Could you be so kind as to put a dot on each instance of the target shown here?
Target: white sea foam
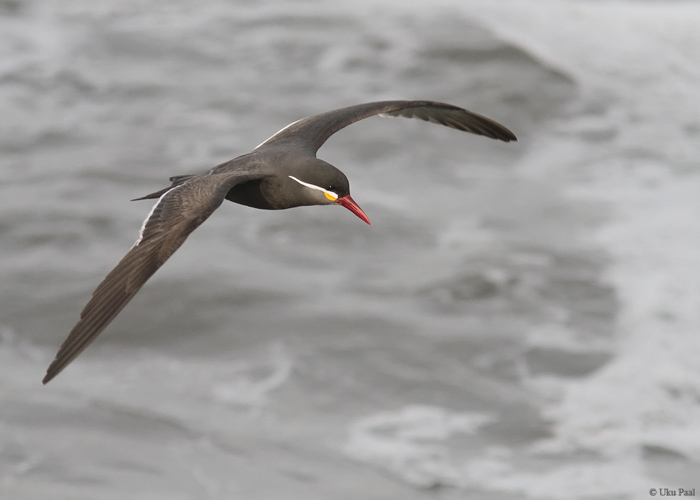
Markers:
(414, 443)
(645, 57)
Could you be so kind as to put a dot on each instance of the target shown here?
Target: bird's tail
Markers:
(176, 181)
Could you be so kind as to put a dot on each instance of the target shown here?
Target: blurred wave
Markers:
(519, 321)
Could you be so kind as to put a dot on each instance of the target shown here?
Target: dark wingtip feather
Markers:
(454, 117)
(505, 135)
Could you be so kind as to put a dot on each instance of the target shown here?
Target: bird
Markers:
(280, 173)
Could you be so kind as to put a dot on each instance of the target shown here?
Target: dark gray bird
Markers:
(282, 172)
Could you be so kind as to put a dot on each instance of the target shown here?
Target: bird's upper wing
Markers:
(310, 133)
(178, 212)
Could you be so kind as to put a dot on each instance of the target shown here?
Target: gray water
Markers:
(520, 321)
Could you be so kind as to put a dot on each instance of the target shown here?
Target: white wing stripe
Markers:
(150, 214)
(277, 133)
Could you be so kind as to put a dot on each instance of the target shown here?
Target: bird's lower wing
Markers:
(312, 132)
(177, 213)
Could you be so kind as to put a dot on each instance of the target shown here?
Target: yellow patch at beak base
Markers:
(330, 196)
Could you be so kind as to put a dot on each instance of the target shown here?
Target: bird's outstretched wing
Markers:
(310, 133)
(178, 212)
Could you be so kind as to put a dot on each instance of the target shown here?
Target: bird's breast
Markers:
(251, 194)
(265, 194)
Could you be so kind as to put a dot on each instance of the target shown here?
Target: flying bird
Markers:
(282, 172)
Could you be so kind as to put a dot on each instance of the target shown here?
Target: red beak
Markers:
(350, 204)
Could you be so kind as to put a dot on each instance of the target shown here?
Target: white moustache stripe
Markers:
(318, 188)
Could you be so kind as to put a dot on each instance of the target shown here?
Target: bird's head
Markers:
(323, 184)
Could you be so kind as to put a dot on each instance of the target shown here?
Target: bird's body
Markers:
(282, 172)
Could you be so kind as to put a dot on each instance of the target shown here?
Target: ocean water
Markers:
(521, 321)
